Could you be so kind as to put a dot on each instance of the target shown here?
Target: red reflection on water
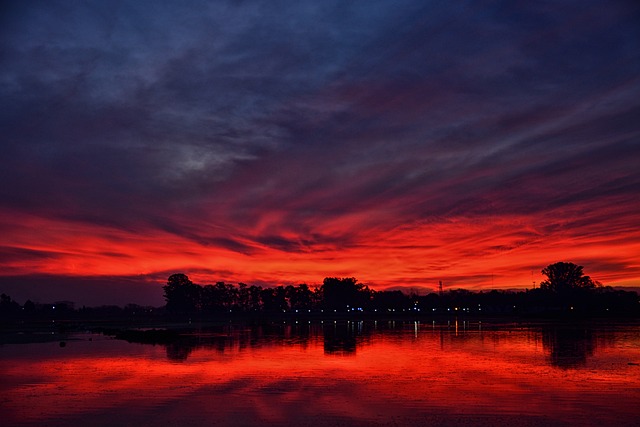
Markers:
(416, 374)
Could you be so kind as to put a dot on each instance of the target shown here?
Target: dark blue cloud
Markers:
(139, 113)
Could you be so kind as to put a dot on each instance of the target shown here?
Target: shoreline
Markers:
(166, 331)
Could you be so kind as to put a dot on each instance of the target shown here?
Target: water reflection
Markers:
(342, 373)
(566, 346)
(340, 338)
(179, 351)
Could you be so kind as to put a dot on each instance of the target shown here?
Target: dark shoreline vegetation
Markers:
(566, 295)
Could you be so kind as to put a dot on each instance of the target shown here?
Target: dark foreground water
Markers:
(338, 374)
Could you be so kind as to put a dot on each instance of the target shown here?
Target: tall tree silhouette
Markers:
(182, 295)
(299, 297)
(337, 294)
(564, 277)
(568, 287)
(220, 297)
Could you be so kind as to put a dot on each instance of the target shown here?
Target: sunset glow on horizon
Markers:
(402, 144)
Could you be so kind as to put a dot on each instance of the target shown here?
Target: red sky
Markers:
(403, 145)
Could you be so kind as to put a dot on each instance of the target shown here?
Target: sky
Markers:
(400, 142)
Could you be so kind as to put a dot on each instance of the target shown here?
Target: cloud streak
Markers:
(404, 143)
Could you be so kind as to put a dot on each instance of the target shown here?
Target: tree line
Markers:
(184, 296)
(11, 309)
(566, 289)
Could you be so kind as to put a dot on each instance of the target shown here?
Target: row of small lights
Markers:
(389, 309)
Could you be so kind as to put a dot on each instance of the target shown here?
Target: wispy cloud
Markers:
(400, 142)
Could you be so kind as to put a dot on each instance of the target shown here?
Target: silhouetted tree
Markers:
(299, 297)
(181, 294)
(564, 277)
(337, 294)
(430, 301)
(211, 299)
(612, 301)
(8, 307)
(243, 298)
(279, 298)
(273, 299)
(29, 307)
(255, 299)
(391, 300)
(220, 297)
(568, 287)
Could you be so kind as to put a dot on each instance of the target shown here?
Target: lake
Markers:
(358, 373)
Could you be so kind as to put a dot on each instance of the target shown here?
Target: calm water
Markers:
(343, 373)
